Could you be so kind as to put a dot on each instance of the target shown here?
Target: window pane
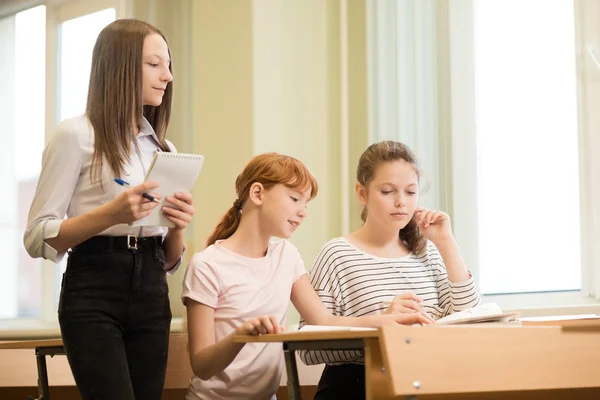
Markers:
(77, 39)
(526, 116)
(22, 44)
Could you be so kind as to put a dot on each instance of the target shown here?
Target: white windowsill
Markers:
(545, 304)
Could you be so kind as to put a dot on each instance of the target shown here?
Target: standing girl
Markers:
(242, 284)
(403, 260)
(114, 308)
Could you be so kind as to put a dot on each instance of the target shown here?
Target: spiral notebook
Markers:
(174, 172)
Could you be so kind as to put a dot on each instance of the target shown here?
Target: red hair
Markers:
(268, 169)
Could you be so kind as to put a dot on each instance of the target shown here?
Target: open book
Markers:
(327, 328)
(487, 312)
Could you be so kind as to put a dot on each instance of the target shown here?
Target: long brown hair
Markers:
(268, 169)
(377, 154)
(115, 94)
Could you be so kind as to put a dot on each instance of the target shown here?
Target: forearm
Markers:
(173, 247)
(78, 229)
(455, 266)
(213, 359)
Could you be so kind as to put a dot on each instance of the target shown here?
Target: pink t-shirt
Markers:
(241, 288)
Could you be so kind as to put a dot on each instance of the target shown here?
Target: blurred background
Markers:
(496, 97)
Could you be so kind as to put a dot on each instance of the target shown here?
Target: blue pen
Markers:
(144, 195)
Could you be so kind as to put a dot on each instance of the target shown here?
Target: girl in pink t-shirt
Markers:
(242, 282)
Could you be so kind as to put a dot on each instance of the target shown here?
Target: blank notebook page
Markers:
(174, 172)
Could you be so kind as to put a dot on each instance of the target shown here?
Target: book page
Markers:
(326, 328)
(480, 313)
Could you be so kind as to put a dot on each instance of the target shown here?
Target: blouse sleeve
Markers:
(61, 168)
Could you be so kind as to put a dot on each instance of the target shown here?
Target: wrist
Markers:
(445, 242)
(175, 232)
(106, 213)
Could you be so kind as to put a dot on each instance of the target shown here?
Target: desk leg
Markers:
(293, 384)
(43, 389)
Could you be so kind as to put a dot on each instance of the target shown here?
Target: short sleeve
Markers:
(201, 282)
(299, 268)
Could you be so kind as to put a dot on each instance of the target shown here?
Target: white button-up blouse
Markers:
(65, 187)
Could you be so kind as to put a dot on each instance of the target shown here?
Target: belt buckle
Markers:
(132, 242)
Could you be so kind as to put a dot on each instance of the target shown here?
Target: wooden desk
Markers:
(178, 365)
(455, 361)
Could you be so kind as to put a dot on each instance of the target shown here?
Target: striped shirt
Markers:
(353, 283)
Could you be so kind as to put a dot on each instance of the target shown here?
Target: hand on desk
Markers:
(377, 321)
(260, 325)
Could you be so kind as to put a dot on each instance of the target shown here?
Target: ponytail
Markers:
(227, 227)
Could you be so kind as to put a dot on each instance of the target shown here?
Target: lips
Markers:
(295, 224)
(399, 214)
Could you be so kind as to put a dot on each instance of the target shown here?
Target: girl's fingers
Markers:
(177, 213)
(410, 305)
(256, 327)
(424, 319)
(276, 327)
(427, 317)
(409, 296)
(431, 217)
(266, 325)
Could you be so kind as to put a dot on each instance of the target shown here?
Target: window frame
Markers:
(457, 186)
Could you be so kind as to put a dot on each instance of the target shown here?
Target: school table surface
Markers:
(549, 360)
(484, 361)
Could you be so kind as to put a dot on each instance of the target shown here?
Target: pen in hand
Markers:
(144, 195)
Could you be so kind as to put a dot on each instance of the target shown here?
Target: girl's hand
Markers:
(434, 225)
(181, 211)
(377, 321)
(259, 326)
(405, 303)
(130, 206)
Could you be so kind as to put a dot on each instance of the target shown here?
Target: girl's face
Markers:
(155, 69)
(392, 195)
(284, 209)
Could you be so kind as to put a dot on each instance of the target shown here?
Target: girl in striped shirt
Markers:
(404, 259)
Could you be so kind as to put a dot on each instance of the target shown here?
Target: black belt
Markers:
(116, 243)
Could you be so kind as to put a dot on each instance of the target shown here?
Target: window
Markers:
(23, 53)
(527, 146)
(76, 42)
(488, 94)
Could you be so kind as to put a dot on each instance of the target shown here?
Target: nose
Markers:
(400, 201)
(167, 76)
(302, 213)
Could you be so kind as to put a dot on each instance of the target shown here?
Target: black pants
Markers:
(115, 318)
(346, 381)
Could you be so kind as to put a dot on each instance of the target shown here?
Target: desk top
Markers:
(299, 336)
(30, 344)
